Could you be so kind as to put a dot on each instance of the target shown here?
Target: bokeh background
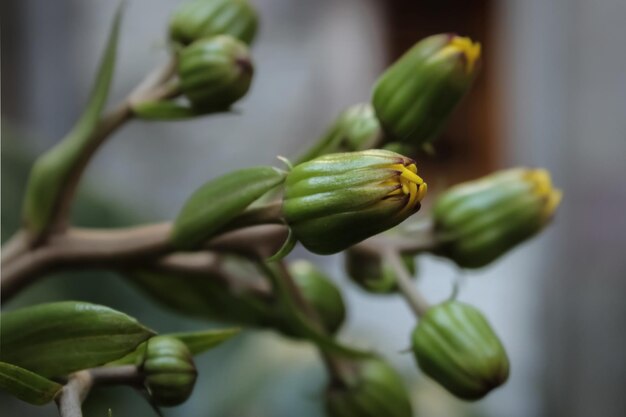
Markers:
(552, 93)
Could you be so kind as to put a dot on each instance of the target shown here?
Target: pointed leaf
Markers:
(49, 175)
(197, 342)
(27, 385)
(220, 201)
(58, 338)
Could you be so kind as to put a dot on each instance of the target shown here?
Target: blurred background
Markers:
(552, 93)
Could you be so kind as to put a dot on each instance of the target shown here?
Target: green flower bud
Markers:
(478, 221)
(373, 389)
(321, 293)
(206, 18)
(170, 373)
(373, 274)
(337, 200)
(214, 73)
(416, 95)
(356, 129)
(454, 344)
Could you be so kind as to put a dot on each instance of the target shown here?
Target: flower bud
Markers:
(356, 129)
(214, 73)
(170, 373)
(337, 200)
(206, 18)
(416, 95)
(373, 389)
(321, 293)
(478, 221)
(373, 274)
(454, 345)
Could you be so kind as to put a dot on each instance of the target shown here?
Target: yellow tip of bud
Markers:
(464, 45)
(543, 188)
(411, 184)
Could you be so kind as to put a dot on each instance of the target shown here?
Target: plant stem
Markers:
(413, 297)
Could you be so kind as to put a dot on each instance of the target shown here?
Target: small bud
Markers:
(214, 73)
(206, 18)
(356, 129)
(479, 221)
(454, 345)
(416, 95)
(170, 373)
(337, 200)
(321, 293)
(374, 274)
(372, 389)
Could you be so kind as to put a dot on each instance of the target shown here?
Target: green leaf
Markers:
(197, 342)
(55, 339)
(219, 201)
(27, 385)
(48, 178)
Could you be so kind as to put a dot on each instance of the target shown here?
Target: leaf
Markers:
(219, 201)
(27, 385)
(55, 339)
(197, 342)
(48, 178)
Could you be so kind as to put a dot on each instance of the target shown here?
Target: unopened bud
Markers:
(416, 95)
(214, 73)
(206, 18)
(455, 345)
(337, 200)
(373, 274)
(479, 221)
(170, 373)
(374, 389)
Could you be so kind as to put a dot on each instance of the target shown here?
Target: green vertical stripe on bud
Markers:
(374, 274)
(337, 200)
(205, 18)
(455, 345)
(214, 73)
(479, 221)
(170, 373)
(369, 388)
(356, 129)
(414, 98)
(321, 293)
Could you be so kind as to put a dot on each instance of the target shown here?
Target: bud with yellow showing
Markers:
(478, 221)
(206, 18)
(455, 345)
(337, 200)
(414, 98)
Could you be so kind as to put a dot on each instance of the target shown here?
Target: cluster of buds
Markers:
(337, 200)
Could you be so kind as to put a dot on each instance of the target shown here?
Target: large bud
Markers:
(373, 274)
(478, 221)
(214, 73)
(416, 95)
(455, 345)
(169, 371)
(321, 293)
(206, 18)
(337, 200)
(370, 389)
(355, 129)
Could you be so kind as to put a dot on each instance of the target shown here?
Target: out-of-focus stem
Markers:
(413, 297)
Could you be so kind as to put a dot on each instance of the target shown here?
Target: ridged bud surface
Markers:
(337, 200)
(455, 345)
(206, 18)
(216, 72)
(479, 221)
